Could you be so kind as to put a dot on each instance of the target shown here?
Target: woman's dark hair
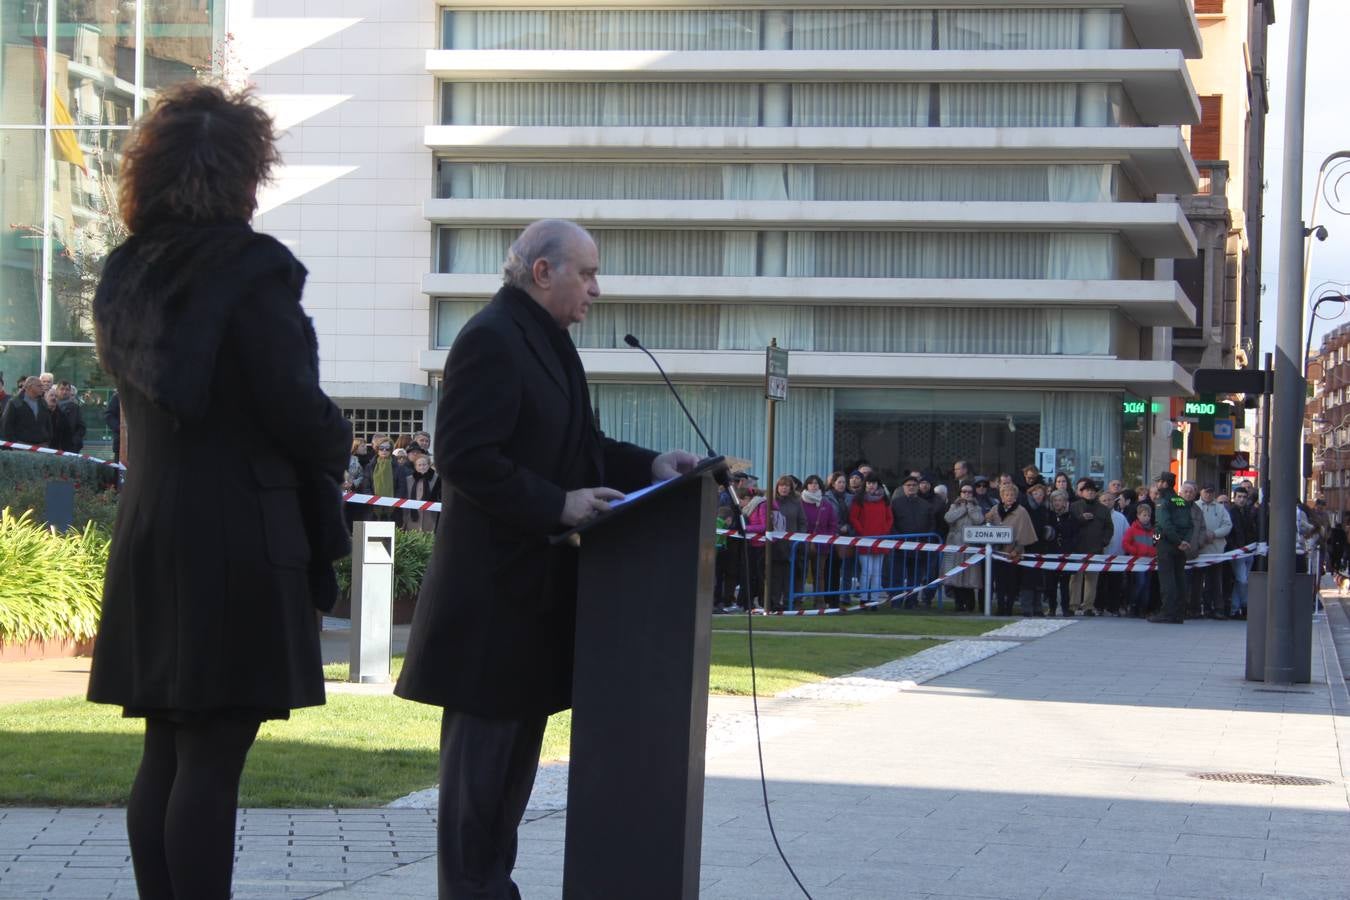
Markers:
(198, 156)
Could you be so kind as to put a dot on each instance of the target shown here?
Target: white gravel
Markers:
(1030, 628)
(900, 674)
(729, 730)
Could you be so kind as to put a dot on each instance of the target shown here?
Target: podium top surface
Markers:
(636, 499)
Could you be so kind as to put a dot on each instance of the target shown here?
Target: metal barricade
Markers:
(819, 574)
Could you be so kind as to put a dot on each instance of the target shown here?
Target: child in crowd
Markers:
(1139, 543)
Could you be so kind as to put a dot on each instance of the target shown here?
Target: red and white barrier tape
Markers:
(1059, 562)
(1084, 562)
(975, 559)
(837, 540)
(394, 502)
(15, 445)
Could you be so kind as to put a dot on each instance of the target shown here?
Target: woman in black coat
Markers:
(208, 623)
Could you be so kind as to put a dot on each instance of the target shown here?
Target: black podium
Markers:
(640, 694)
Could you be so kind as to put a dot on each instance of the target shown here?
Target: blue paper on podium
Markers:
(633, 495)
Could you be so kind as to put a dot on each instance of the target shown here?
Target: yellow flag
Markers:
(64, 140)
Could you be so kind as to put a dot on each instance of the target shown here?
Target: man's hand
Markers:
(673, 463)
(1184, 546)
(584, 504)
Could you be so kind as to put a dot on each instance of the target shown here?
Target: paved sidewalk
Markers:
(1062, 768)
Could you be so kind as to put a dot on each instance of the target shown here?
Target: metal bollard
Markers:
(372, 601)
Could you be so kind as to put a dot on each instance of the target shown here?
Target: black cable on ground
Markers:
(747, 577)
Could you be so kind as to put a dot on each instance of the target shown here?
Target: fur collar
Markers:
(165, 302)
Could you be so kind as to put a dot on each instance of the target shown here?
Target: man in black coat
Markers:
(913, 514)
(520, 459)
(26, 418)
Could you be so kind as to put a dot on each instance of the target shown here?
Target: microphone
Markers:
(636, 344)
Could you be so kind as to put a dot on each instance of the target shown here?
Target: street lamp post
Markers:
(1285, 456)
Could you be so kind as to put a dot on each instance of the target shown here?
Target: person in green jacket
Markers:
(1172, 531)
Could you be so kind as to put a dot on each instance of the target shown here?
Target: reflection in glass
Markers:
(85, 225)
(16, 362)
(179, 42)
(23, 33)
(20, 234)
(95, 63)
(93, 386)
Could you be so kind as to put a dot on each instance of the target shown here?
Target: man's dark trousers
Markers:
(487, 773)
(1172, 580)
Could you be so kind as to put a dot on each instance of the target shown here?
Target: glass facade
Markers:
(798, 29)
(803, 104)
(819, 254)
(1032, 182)
(74, 74)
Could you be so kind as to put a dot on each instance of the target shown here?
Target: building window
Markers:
(1207, 136)
(822, 254)
(393, 421)
(1076, 183)
(801, 29)
(62, 154)
(829, 329)
(807, 105)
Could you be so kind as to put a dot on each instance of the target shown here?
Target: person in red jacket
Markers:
(870, 516)
(1139, 542)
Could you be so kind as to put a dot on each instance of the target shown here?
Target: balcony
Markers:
(1154, 230)
(1155, 23)
(1150, 303)
(1155, 81)
(1156, 160)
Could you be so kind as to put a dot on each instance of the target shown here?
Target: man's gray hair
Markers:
(546, 239)
(1060, 494)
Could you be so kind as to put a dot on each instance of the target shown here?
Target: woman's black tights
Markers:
(180, 817)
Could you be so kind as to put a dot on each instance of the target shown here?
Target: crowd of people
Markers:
(393, 466)
(43, 412)
(1059, 516)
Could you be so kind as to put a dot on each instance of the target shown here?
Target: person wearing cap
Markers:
(1095, 530)
(1173, 527)
(914, 515)
(1218, 524)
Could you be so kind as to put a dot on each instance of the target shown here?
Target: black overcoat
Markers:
(207, 601)
(20, 423)
(495, 620)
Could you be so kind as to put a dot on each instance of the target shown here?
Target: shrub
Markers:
(412, 554)
(24, 477)
(51, 585)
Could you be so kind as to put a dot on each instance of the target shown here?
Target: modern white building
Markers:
(958, 217)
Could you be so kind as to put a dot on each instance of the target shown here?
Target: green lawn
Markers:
(888, 621)
(355, 751)
(358, 750)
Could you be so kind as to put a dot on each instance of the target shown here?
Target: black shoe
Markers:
(1160, 619)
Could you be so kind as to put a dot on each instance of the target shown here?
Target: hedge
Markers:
(24, 477)
(412, 554)
(51, 585)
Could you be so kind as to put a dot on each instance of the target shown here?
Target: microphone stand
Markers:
(723, 478)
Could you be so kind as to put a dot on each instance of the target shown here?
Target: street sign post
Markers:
(775, 392)
(775, 373)
(988, 534)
